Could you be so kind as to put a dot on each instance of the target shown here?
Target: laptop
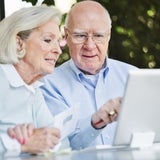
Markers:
(138, 120)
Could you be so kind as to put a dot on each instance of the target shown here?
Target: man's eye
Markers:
(47, 40)
(99, 35)
(80, 36)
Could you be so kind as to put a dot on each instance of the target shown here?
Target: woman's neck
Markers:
(28, 75)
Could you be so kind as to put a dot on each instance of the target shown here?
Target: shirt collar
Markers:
(80, 74)
(15, 79)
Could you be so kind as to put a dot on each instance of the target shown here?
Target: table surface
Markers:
(100, 153)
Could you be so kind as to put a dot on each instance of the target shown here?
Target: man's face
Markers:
(88, 36)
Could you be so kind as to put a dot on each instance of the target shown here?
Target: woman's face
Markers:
(42, 49)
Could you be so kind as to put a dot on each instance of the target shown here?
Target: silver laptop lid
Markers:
(140, 109)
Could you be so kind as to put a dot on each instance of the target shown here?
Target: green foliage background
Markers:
(135, 31)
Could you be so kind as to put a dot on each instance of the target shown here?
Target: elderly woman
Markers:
(29, 49)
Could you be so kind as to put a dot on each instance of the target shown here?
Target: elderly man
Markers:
(89, 79)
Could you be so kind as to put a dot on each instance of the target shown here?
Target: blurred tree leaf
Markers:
(135, 32)
(48, 2)
(32, 1)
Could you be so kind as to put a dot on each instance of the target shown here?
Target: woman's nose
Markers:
(57, 47)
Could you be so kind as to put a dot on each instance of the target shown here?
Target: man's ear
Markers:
(65, 33)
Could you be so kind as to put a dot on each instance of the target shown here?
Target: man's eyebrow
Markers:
(79, 31)
(83, 31)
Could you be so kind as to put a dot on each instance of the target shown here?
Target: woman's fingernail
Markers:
(24, 141)
(20, 140)
(13, 136)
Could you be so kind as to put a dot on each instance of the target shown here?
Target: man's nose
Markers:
(90, 43)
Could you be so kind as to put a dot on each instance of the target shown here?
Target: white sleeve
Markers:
(11, 146)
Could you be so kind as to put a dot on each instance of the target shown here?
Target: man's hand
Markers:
(106, 114)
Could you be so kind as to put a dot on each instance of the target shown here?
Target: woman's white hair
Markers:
(21, 23)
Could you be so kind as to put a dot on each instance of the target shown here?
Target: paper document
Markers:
(66, 121)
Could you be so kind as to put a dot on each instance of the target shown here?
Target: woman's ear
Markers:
(20, 43)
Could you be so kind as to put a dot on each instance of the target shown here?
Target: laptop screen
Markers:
(140, 109)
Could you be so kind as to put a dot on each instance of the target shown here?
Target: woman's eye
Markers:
(47, 40)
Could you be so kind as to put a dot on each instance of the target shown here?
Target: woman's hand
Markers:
(21, 132)
(35, 140)
(41, 140)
